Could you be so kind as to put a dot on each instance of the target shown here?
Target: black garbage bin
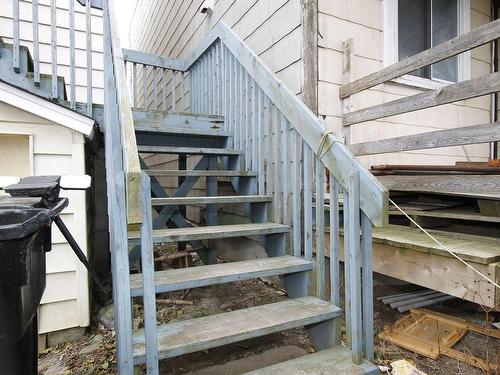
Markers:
(24, 240)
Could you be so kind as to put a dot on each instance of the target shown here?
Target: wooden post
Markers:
(347, 76)
(88, 31)
(310, 53)
(53, 42)
(15, 37)
(36, 45)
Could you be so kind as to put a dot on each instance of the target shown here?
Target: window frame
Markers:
(391, 50)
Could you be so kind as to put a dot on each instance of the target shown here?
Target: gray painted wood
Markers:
(353, 231)
(320, 231)
(296, 196)
(36, 45)
(347, 271)
(260, 141)
(134, 84)
(474, 186)
(310, 53)
(285, 157)
(347, 76)
(144, 88)
(148, 280)
(173, 83)
(472, 88)
(88, 46)
(339, 161)
(155, 88)
(200, 276)
(335, 252)
(367, 287)
(152, 60)
(336, 360)
(187, 150)
(229, 199)
(201, 173)
(15, 37)
(468, 135)
(308, 181)
(164, 90)
(479, 36)
(72, 57)
(211, 232)
(277, 143)
(192, 335)
(53, 49)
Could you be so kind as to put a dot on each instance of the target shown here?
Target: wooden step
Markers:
(187, 150)
(193, 335)
(197, 173)
(210, 232)
(334, 361)
(194, 277)
(474, 186)
(230, 199)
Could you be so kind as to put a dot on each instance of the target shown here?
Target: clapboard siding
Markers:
(63, 53)
(343, 19)
(57, 150)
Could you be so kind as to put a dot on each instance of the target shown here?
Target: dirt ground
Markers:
(95, 353)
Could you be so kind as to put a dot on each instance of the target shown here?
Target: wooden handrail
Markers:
(139, 57)
(131, 163)
(475, 38)
(472, 88)
(337, 158)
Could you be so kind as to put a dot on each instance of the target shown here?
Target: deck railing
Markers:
(472, 88)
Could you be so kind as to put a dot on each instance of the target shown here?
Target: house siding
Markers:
(63, 53)
(341, 20)
(57, 150)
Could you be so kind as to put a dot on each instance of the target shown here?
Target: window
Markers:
(412, 26)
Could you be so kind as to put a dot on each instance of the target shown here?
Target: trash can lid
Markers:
(36, 186)
(21, 222)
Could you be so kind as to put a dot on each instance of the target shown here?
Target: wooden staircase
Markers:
(301, 310)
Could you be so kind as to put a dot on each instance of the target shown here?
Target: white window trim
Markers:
(390, 45)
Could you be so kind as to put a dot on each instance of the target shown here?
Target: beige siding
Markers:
(26, 36)
(56, 150)
(343, 19)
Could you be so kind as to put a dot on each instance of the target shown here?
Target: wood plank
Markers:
(336, 360)
(199, 173)
(230, 199)
(339, 161)
(468, 135)
(194, 277)
(187, 150)
(152, 60)
(477, 37)
(192, 335)
(472, 248)
(449, 214)
(475, 186)
(210, 232)
(472, 88)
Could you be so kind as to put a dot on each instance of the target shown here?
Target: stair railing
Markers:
(22, 37)
(290, 148)
(472, 88)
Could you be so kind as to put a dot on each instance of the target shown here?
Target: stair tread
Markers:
(210, 232)
(216, 330)
(187, 150)
(207, 200)
(193, 277)
(198, 173)
(335, 360)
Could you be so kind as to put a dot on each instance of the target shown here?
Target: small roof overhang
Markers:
(47, 109)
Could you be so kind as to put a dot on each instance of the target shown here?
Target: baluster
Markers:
(347, 269)
(232, 94)
(148, 282)
(308, 178)
(253, 140)
(241, 90)
(134, 83)
(367, 286)
(352, 231)
(155, 88)
(244, 119)
(227, 90)
(248, 122)
(285, 156)
(182, 94)
(88, 19)
(53, 41)
(205, 83)
(15, 37)
(174, 85)
(320, 224)
(335, 250)
(297, 207)
(36, 45)
(72, 69)
(164, 89)
(260, 141)
(278, 199)
(269, 152)
(215, 65)
(144, 88)
(222, 65)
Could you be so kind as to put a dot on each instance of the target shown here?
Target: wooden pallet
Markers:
(433, 334)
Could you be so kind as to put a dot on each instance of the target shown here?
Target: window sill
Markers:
(419, 82)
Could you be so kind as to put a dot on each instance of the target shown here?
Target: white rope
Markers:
(325, 143)
(444, 247)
